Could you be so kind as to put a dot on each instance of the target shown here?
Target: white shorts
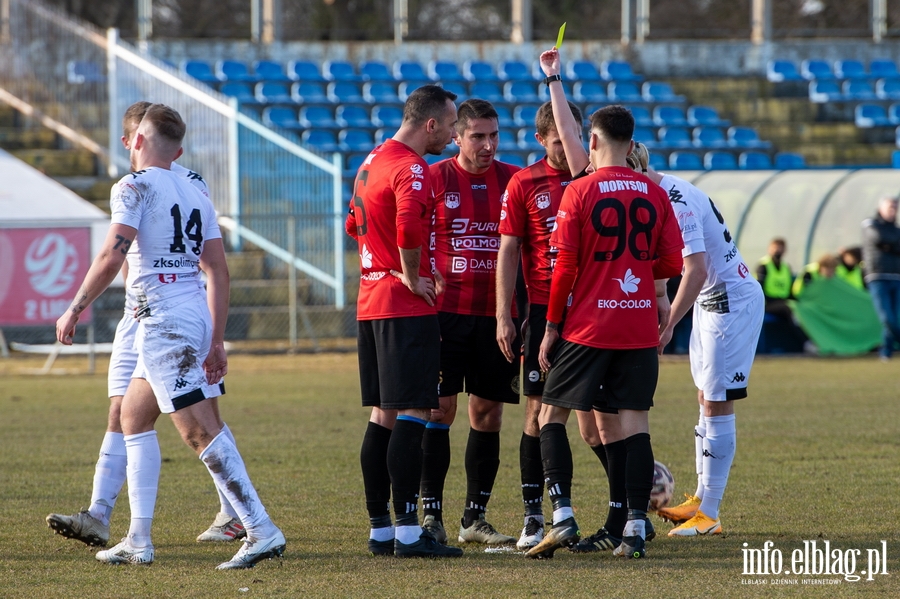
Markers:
(124, 357)
(723, 347)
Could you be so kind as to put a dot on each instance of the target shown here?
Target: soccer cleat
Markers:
(532, 534)
(426, 546)
(632, 547)
(601, 540)
(124, 553)
(564, 534)
(252, 552)
(81, 526)
(680, 513)
(378, 548)
(436, 528)
(483, 532)
(223, 528)
(701, 524)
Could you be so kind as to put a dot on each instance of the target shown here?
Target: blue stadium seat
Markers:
(384, 134)
(897, 136)
(789, 160)
(486, 90)
(375, 70)
(514, 70)
(816, 70)
(888, 89)
(271, 92)
(893, 113)
(669, 116)
(624, 91)
(344, 92)
(200, 70)
(241, 91)
(754, 161)
(745, 137)
(304, 92)
(674, 137)
(518, 92)
(479, 70)
(526, 140)
(782, 70)
(355, 140)
(870, 115)
(507, 141)
(234, 70)
(380, 92)
(718, 160)
(589, 91)
(387, 116)
(535, 157)
(858, 90)
(685, 161)
(822, 92)
(895, 159)
(353, 116)
(340, 70)
(444, 70)
(850, 69)
(323, 140)
(511, 158)
(269, 70)
(523, 116)
(618, 70)
(582, 70)
(657, 91)
(305, 70)
(658, 161)
(281, 116)
(79, 72)
(352, 162)
(504, 116)
(705, 115)
(317, 117)
(409, 70)
(706, 136)
(641, 116)
(645, 135)
(883, 68)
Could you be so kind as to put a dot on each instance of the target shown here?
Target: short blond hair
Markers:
(639, 157)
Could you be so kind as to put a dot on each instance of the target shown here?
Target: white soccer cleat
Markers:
(81, 526)
(224, 528)
(255, 551)
(532, 534)
(124, 553)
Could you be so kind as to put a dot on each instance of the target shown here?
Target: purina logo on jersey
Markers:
(542, 200)
(451, 200)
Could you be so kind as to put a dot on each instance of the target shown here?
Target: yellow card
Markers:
(559, 38)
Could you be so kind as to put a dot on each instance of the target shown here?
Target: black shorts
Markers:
(532, 376)
(628, 377)
(470, 354)
(399, 361)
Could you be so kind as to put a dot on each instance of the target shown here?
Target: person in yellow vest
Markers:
(850, 267)
(825, 268)
(774, 274)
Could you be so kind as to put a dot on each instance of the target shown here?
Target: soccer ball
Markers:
(663, 487)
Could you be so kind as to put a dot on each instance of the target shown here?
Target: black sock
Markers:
(435, 464)
(617, 515)
(639, 471)
(404, 462)
(482, 463)
(600, 451)
(556, 456)
(532, 475)
(377, 481)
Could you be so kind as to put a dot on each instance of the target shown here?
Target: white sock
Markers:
(144, 461)
(385, 533)
(720, 445)
(561, 514)
(699, 434)
(226, 466)
(635, 528)
(408, 534)
(109, 476)
(224, 505)
(538, 517)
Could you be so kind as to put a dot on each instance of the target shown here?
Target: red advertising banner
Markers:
(40, 272)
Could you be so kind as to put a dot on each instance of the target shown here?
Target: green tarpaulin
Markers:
(838, 318)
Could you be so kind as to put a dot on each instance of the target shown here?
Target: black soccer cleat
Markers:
(377, 548)
(426, 546)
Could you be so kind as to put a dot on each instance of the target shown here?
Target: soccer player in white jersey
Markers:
(728, 313)
(91, 526)
(173, 231)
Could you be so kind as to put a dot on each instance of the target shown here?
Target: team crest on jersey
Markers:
(416, 169)
(451, 200)
(542, 200)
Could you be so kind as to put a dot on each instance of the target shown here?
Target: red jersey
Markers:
(530, 205)
(392, 203)
(466, 234)
(615, 222)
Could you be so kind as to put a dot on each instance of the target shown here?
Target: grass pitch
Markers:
(817, 460)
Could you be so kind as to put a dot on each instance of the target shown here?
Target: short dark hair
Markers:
(615, 123)
(544, 122)
(426, 102)
(134, 114)
(166, 121)
(474, 109)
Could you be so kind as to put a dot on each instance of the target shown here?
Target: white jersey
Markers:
(173, 219)
(728, 280)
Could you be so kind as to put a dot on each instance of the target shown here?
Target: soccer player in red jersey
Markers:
(616, 234)
(529, 210)
(399, 337)
(467, 192)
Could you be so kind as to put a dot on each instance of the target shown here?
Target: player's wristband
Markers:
(552, 78)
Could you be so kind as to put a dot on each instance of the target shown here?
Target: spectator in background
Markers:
(881, 254)
(824, 268)
(780, 331)
(850, 267)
